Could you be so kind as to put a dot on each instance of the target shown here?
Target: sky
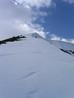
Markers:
(53, 17)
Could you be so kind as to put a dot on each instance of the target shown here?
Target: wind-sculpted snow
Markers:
(27, 76)
(33, 68)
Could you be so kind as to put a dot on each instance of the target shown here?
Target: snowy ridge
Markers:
(63, 46)
(66, 47)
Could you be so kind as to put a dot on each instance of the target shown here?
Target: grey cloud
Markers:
(10, 14)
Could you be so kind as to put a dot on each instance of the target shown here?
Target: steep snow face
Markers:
(33, 68)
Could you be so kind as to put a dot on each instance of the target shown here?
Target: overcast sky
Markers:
(55, 17)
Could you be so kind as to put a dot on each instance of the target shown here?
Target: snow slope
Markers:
(33, 68)
(65, 47)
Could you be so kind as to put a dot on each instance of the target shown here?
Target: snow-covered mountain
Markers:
(32, 67)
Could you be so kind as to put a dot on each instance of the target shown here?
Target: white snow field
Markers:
(34, 68)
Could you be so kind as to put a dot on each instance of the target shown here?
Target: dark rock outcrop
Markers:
(12, 39)
(71, 52)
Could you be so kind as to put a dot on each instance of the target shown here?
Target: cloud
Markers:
(34, 3)
(20, 16)
(31, 28)
(69, 1)
(55, 37)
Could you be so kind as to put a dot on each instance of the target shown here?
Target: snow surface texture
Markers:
(33, 68)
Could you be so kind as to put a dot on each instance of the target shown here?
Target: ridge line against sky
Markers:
(28, 16)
